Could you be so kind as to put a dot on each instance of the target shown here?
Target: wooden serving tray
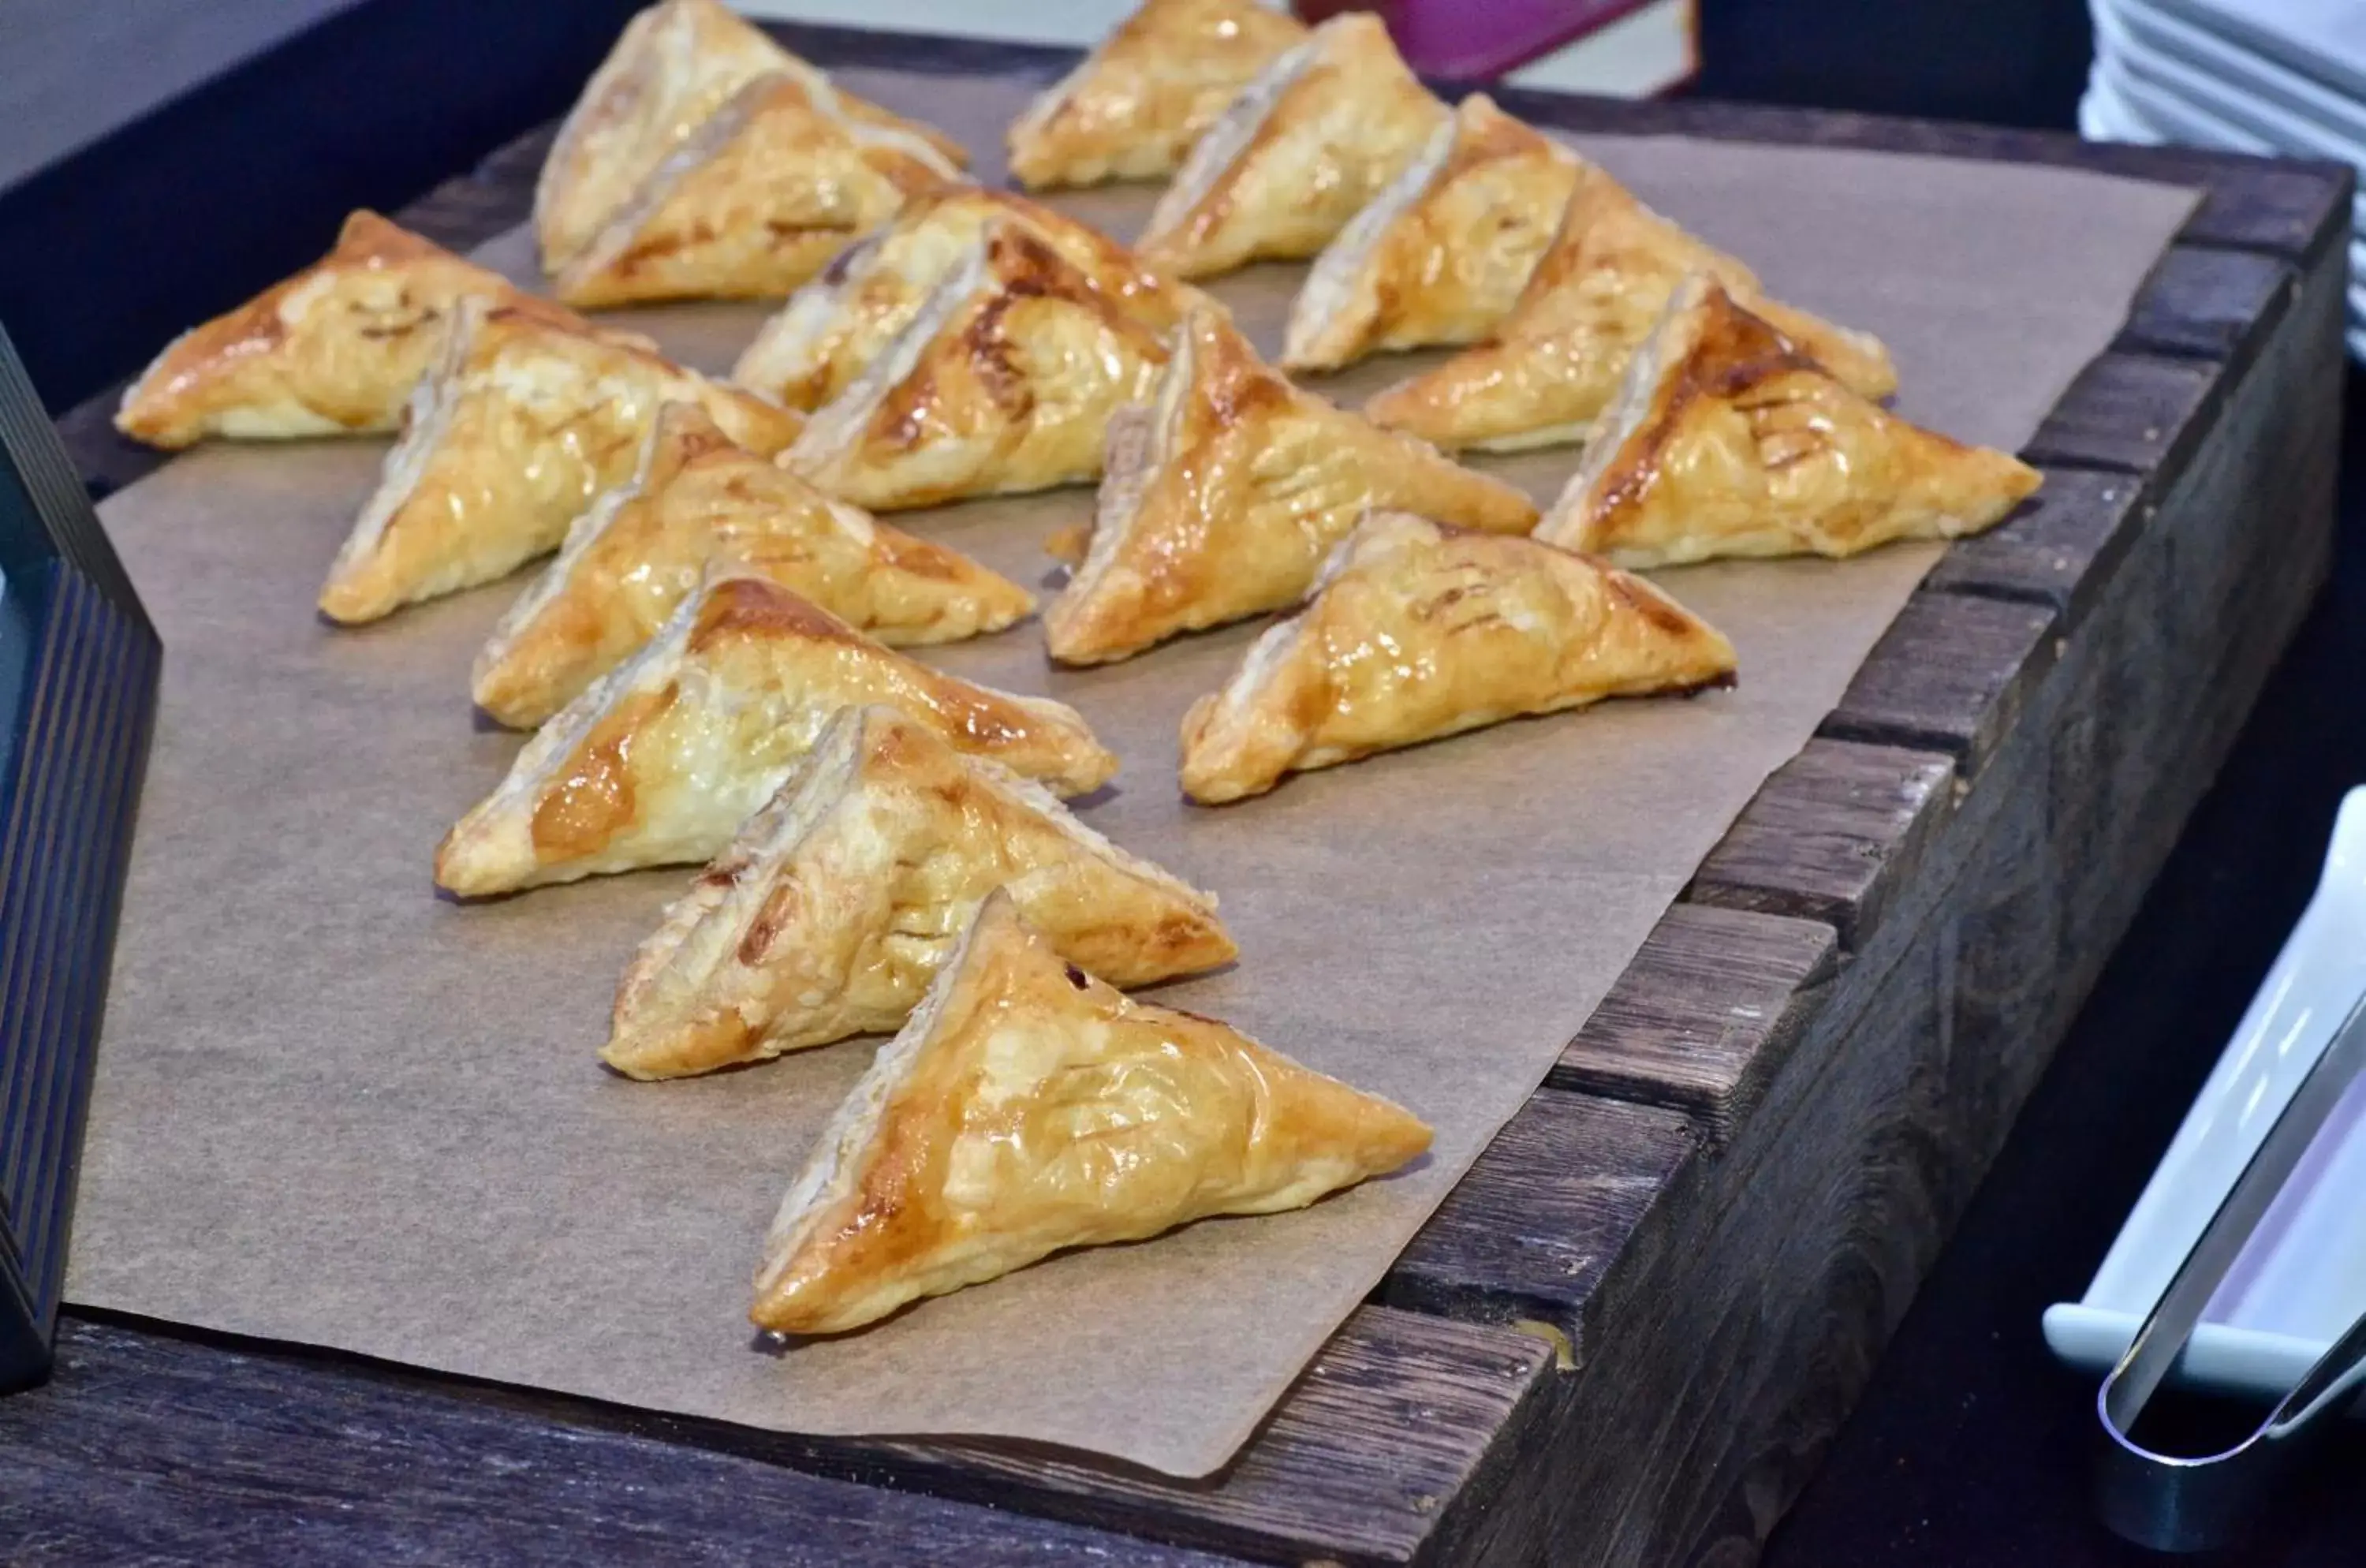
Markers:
(1630, 1332)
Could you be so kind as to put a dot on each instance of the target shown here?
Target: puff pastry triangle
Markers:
(1417, 631)
(1132, 109)
(836, 905)
(334, 350)
(1441, 254)
(674, 65)
(505, 442)
(1295, 155)
(661, 760)
(833, 328)
(1003, 381)
(1552, 366)
(755, 201)
(700, 497)
(1726, 440)
(1225, 491)
(1028, 1106)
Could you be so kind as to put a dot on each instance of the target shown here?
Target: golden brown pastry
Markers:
(754, 202)
(1028, 1106)
(1416, 631)
(1226, 490)
(520, 425)
(1552, 366)
(836, 905)
(1295, 156)
(334, 350)
(1003, 381)
(835, 326)
(1132, 109)
(675, 64)
(661, 760)
(1726, 440)
(1441, 254)
(699, 497)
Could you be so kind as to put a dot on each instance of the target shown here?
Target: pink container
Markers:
(1477, 40)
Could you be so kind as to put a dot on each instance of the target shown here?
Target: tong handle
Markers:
(2174, 1503)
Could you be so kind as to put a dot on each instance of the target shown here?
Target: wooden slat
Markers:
(155, 1449)
(2210, 303)
(1535, 1230)
(1391, 1450)
(1951, 675)
(1830, 836)
(1710, 1007)
(2136, 414)
(2057, 550)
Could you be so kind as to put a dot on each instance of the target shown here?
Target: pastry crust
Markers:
(841, 897)
(1003, 381)
(755, 201)
(334, 350)
(1726, 440)
(1441, 254)
(1553, 364)
(698, 497)
(1027, 1107)
(505, 444)
(1292, 158)
(1417, 631)
(833, 328)
(674, 65)
(1225, 491)
(1132, 109)
(660, 761)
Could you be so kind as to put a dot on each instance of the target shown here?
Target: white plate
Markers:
(2301, 1280)
(2237, 69)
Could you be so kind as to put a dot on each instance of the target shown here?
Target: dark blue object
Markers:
(78, 670)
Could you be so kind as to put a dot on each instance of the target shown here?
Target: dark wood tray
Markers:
(1630, 1333)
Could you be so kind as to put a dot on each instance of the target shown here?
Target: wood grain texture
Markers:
(1951, 674)
(2136, 414)
(1538, 1229)
(2210, 303)
(1832, 836)
(2059, 551)
(152, 1448)
(1707, 1011)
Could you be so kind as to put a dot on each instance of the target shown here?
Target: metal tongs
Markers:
(2173, 1503)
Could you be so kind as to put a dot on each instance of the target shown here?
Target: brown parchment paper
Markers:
(334, 1109)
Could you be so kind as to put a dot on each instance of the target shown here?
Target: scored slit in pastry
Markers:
(660, 760)
(1003, 381)
(697, 497)
(505, 444)
(1226, 489)
(1294, 157)
(1131, 109)
(1441, 254)
(334, 350)
(830, 330)
(1417, 631)
(834, 908)
(754, 202)
(674, 65)
(1552, 366)
(1028, 1106)
(1726, 440)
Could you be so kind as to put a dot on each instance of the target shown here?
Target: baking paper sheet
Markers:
(335, 1110)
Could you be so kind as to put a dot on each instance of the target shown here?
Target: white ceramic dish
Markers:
(2301, 1280)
